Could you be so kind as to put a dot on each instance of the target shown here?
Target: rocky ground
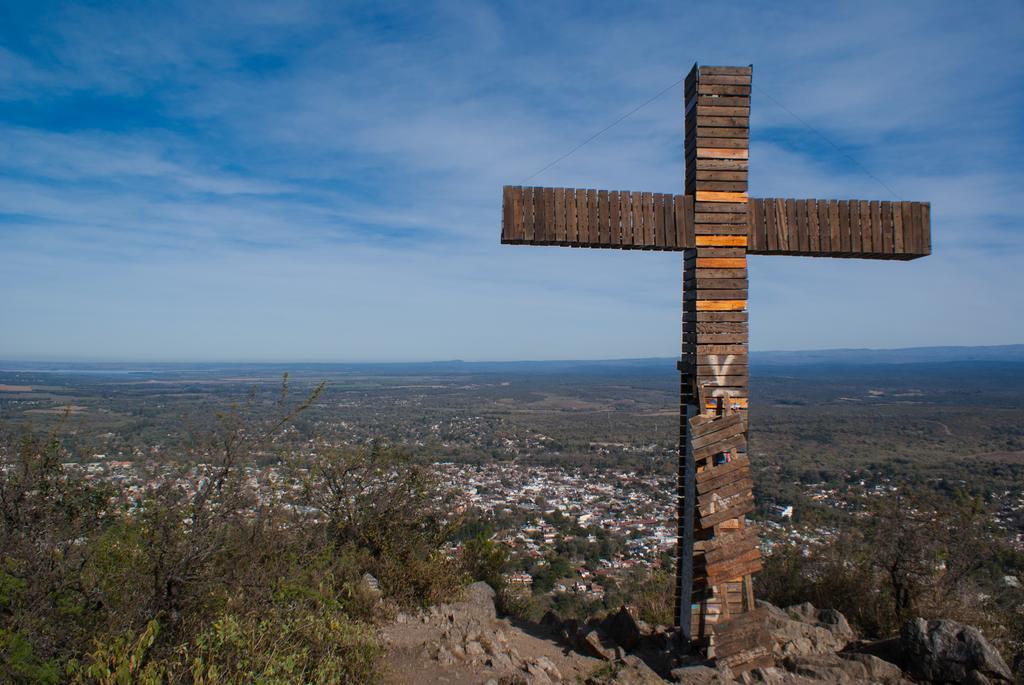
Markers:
(466, 643)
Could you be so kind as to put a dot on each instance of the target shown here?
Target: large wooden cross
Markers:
(715, 225)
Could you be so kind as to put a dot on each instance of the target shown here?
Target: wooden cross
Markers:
(715, 225)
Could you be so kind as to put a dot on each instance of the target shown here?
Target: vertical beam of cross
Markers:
(714, 364)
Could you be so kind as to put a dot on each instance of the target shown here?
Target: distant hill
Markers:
(851, 357)
(903, 355)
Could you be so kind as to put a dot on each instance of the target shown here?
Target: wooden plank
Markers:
(572, 217)
(626, 219)
(636, 231)
(722, 80)
(721, 122)
(548, 199)
(700, 431)
(559, 199)
(803, 227)
(731, 476)
(918, 218)
(782, 225)
(593, 228)
(721, 305)
(727, 490)
(604, 232)
(717, 164)
(721, 240)
(614, 229)
(844, 226)
(710, 111)
(926, 227)
(867, 232)
(876, 227)
(791, 226)
(726, 89)
(722, 153)
(729, 570)
(529, 219)
(658, 200)
(727, 284)
(755, 219)
(506, 214)
(887, 237)
(742, 133)
(814, 241)
(736, 218)
(722, 208)
(705, 72)
(742, 505)
(668, 209)
(835, 240)
(722, 251)
(856, 228)
(908, 227)
(689, 226)
(721, 262)
(899, 246)
(771, 232)
(728, 545)
(721, 470)
(703, 275)
(824, 228)
(707, 176)
(735, 441)
(712, 196)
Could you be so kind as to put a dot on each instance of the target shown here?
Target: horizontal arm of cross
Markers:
(629, 220)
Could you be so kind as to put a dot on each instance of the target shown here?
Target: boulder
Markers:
(622, 628)
(698, 675)
(593, 643)
(802, 629)
(480, 597)
(631, 671)
(943, 651)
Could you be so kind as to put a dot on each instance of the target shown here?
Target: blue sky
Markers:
(310, 181)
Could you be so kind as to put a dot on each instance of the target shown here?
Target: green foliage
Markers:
(208, 584)
(288, 644)
(20, 664)
(907, 556)
(123, 660)
(484, 559)
(652, 594)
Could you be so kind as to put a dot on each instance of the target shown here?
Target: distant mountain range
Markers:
(902, 355)
(843, 357)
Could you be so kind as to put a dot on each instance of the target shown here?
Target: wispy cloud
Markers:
(321, 181)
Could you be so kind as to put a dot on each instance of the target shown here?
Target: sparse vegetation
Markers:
(209, 585)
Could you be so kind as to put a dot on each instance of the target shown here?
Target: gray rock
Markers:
(697, 675)
(622, 628)
(445, 657)
(538, 676)
(802, 629)
(549, 667)
(480, 597)
(371, 584)
(942, 651)
(876, 669)
(474, 649)
(633, 672)
(500, 662)
(593, 643)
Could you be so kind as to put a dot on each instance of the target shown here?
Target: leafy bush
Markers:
(203, 582)
(289, 644)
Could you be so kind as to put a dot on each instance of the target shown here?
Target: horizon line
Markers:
(73, 360)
